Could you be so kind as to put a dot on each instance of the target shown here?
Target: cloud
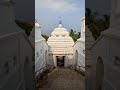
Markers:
(57, 5)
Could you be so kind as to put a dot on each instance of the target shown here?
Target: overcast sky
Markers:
(47, 13)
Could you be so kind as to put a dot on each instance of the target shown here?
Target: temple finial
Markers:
(60, 23)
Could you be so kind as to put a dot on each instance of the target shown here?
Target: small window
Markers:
(63, 35)
(57, 35)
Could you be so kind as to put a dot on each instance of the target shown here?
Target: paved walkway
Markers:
(64, 79)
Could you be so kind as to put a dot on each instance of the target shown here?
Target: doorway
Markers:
(60, 61)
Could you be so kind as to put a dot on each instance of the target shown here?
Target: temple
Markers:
(60, 47)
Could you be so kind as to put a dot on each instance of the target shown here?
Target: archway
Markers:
(27, 73)
(99, 73)
(76, 57)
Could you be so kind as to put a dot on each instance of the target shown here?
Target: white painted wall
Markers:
(107, 47)
(79, 48)
(41, 49)
(14, 48)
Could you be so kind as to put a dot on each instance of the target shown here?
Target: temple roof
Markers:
(38, 36)
(60, 42)
(60, 31)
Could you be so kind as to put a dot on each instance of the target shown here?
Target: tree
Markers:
(46, 37)
(96, 23)
(27, 26)
(74, 35)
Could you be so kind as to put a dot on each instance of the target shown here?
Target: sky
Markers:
(47, 13)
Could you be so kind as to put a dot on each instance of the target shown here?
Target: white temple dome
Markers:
(60, 32)
(60, 41)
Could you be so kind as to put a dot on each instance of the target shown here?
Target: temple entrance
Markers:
(60, 61)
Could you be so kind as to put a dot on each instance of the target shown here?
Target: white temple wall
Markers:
(70, 60)
(66, 62)
(16, 56)
(7, 72)
(107, 51)
(55, 60)
(46, 57)
(50, 59)
(41, 54)
(12, 64)
(79, 48)
(105, 71)
(41, 49)
(79, 55)
(27, 61)
(95, 55)
(76, 51)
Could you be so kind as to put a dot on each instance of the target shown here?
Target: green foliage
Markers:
(96, 24)
(46, 37)
(27, 26)
(74, 35)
